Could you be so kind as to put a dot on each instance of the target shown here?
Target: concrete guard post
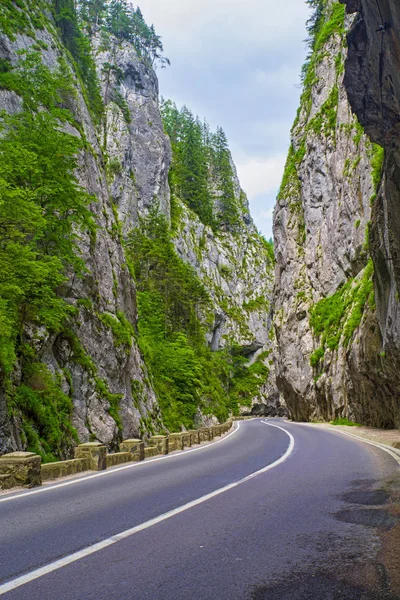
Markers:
(20, 469)
(96, 454)
(216, 430)
(205, 434)
(160, 442)
(135, 447)
(187, 439)
(176, 441)
(194, 436)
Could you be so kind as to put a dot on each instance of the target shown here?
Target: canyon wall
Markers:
(335, 298)
(94, 359)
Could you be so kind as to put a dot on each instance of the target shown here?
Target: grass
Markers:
(344, 421)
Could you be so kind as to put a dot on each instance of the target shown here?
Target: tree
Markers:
(225, 192)
(92, 13)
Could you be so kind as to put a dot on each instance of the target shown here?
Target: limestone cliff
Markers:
(336, 350)
(95, 358)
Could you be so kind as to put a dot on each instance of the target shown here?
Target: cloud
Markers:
(259, 177)
(234, 28)
(237, 64)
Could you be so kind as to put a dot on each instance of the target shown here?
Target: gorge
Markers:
(137, 295)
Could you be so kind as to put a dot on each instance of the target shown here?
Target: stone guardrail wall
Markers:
(25, 469)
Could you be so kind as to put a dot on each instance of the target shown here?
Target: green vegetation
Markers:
(337, 317)
(80, 50)
(317, 356)
(122, 330)
(201, 174)
(46, 411)
(119, 18)
(290, 185)
(186, 375)
(325, 120)
(345, 421)
(377, 156)
(22, 16)
(42, 212)
(326, 21)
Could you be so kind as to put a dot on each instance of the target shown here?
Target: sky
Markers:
(237, 63)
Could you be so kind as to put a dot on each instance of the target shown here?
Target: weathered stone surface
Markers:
(194, 436)
(321, 226)
(205, 434)
(160, 442)
(176, 441)
(151, 451)
(134, 447)
(372, 82)
(118, 458)
(64, 468)
(20, 469)
(216, 429)
(95, 453)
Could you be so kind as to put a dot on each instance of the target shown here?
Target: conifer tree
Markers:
(228, 210)
(194, 182)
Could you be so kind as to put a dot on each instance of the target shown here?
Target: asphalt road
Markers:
(309, 527)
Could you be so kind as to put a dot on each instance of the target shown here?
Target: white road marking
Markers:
(116, 469)
(67, 560)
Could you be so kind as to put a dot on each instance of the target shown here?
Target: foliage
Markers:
(344, 421)
(327, 20)
(377, 156)
(337, 317)
(325, 120)
(22, 16)
(290, 185)
(121, 328)
(201, 174)
(186, 375)
(79, 46)
(119, 18)
(316, 356)
(46, 412)
(42, 211)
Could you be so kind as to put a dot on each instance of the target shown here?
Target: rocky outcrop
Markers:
(97, 373)
(372, 82)
(125, 166)
(333, 354)
(235, 267)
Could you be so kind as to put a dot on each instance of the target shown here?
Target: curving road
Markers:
(273, 510)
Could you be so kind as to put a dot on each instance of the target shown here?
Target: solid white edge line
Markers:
(67, 560)
(111, 471)
(391, 451)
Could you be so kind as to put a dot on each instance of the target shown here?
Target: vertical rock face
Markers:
(331, 360)
(372, 82)
(235, 268)
(238, 274)
(125, 165)
(139, 151)
(97, 372)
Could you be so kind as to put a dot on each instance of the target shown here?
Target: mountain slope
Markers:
(83, 357)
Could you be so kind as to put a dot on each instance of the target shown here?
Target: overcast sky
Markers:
(237, 63)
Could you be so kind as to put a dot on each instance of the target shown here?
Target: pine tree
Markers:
(91, 14)
(194, 171)
(228, 211)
